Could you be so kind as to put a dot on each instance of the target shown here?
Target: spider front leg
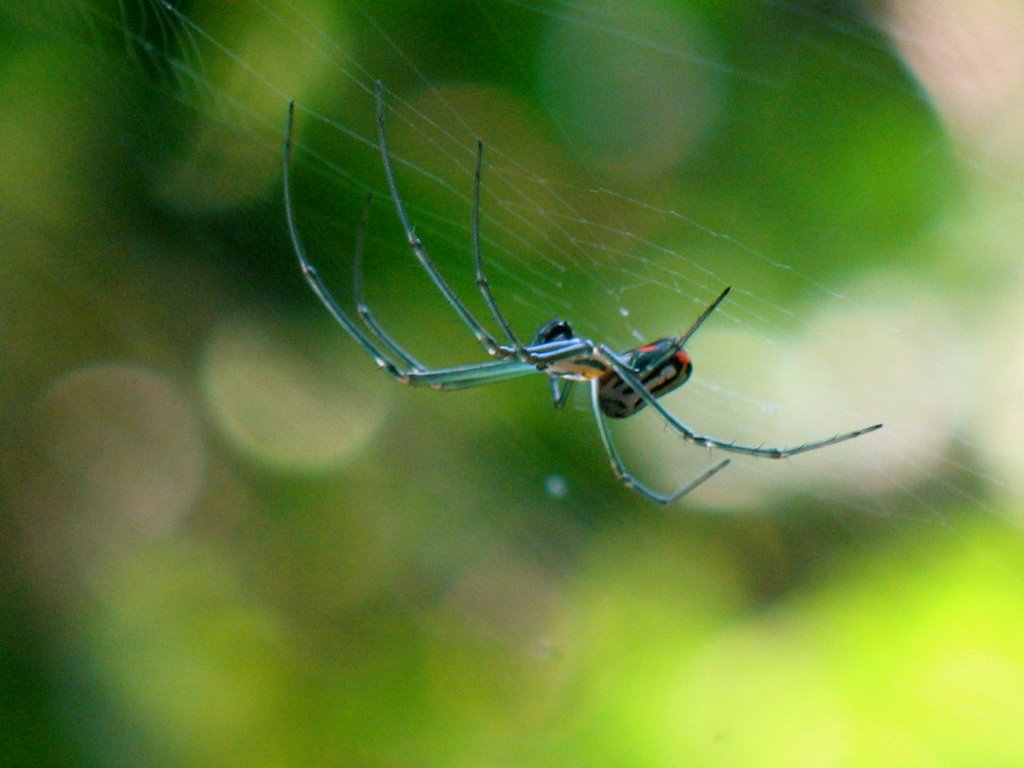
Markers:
(419, 251)
(624, 476)
(373, 339)
(363, 311)
(312, 275)
(482, 283)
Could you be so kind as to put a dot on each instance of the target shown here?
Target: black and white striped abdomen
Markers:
(660, 366)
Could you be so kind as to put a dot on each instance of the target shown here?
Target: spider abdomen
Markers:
(661, 367)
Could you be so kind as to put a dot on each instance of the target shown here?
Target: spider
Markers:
(621, 383)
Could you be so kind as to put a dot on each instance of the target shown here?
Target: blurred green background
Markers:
(226, 539)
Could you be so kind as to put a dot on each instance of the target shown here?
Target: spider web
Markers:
(226, 535)
(847, 168)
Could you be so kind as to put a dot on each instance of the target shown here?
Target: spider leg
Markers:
(628, 479)
(681, 341)
(459, 377)
(489, 343)
(474, 375)
(312, 276)
(362, 310)
(609, 357)
(481, 279)
(560, 391)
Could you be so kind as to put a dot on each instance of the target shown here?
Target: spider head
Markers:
(556, 330)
